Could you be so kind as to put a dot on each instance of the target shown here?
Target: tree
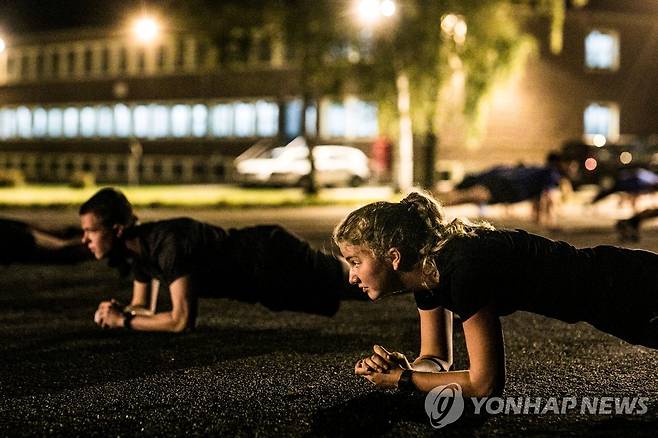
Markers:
(403, 62)
(411, 57)
(315, 37)
(311, 33)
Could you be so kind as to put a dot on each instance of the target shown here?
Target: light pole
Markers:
(371, 12)
(145, 30)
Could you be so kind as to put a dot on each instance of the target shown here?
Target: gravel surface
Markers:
(249, 371)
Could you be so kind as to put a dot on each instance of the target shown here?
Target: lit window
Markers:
(88, 122)
(267, 117)
(222, 120)
(24, 122)
(245, 119)
(602, 50)
(293, 118)
(122, 120)
(105, 121)
(54, 122)
(141, 121)
(160, 120)
(39, 122)
(8, 123)
(364, 115)
(602, 119)
(180, 120)
(71, 121)
(199, 120)
(352, 117)
(311, 120)
(335, 120)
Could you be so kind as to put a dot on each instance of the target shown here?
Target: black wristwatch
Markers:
(405, 384)
(127, 320)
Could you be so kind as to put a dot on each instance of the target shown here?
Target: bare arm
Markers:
(140, 295)
(486, 354)
(181, 316)
(436, 336)
(176, 320)
(486, 373)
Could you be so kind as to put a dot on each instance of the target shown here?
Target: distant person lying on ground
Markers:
(629, 229)
(264, 264)
(633, 183)
(481, 274)
(25, 244)
(512, 184)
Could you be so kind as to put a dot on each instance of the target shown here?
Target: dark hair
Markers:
(554, 158)
(111, 206)
(416, 226)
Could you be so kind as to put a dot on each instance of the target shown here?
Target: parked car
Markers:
(600, 165)
(289, 165)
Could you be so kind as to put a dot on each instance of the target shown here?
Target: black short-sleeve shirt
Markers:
(177, 247)
(612, 288)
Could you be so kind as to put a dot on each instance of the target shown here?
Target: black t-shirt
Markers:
(606, 286)
(508, 184)
(264, 263)
(174, 248)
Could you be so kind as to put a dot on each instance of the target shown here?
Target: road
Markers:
(249, 371)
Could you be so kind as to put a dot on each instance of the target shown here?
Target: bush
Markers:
(11, 178)
(82, 180)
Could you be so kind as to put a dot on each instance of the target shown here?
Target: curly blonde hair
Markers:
(416, 226)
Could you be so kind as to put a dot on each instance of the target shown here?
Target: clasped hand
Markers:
(109, 314)
(383, 368)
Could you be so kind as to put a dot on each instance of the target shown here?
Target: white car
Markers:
(289, 165)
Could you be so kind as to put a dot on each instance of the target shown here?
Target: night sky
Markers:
(23, 16)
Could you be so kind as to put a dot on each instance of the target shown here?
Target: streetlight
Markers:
(454, 26)
(146, 29)
(371, 11)
(388, 8)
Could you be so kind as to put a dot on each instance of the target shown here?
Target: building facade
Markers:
(603, 83)
(181, 108)
(175, 110)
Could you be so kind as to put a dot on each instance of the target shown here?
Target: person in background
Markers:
(632, 183)
(27, 244)
(629, 229)
(511, 184)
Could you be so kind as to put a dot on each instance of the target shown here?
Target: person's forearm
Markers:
(436, 335)
(160, 322)
(138, 299)
(425, 382)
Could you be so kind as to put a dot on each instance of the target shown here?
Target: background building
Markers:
(177, 108)
(180, 107)
(605, 81)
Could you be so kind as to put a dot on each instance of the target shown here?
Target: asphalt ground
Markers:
(249, 371)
